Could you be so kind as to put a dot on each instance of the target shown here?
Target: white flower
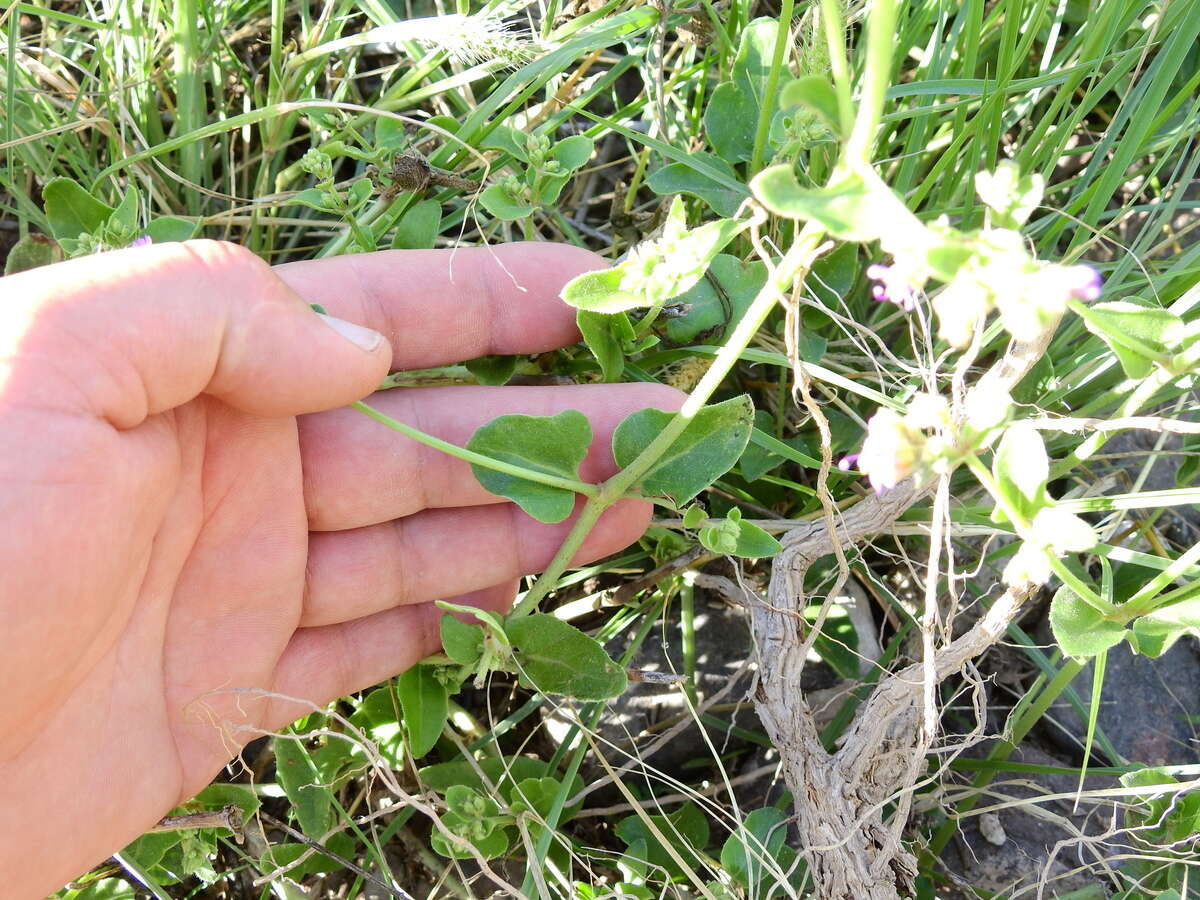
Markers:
(891, 451)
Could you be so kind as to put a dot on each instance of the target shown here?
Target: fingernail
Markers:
(364, 338)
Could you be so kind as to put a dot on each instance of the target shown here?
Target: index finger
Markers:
(443, 306)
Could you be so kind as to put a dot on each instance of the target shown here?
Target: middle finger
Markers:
(358, 472)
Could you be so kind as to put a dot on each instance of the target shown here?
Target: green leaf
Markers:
(418, 228)
(315, 864)
(694, 515)
(462, 641)
(125, 217)
(557, 658)
(1080, 630)
(1021, 468)
(600, 292)
(834, 274)
(681, 178)
(550, 188)
(510, 140)
(760, 837)
(850, 209)
(490, 846)
(706, 449)
(536, 795)
(735, 537)
(814, 93)
(503, 773)
(553, 445)
(572, 152)
(686, 829)
(495, 199)
(426, 705)
(314, 198)
(492, 370)
(493, 621)
(104, 889)
(729, 123)
(71, 210)
(1139, 335)
(390, 134)
(30, 252)
(717, 301)
(218, 796)
(606, 335)
(149, 850)
(300, 780)
(168, 229)
(752, 65)
(1155, 633)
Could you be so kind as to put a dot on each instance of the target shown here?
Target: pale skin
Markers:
(192, 523)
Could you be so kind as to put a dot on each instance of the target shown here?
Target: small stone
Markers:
(992, 830)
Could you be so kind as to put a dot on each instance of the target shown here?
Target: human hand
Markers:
(183, 521)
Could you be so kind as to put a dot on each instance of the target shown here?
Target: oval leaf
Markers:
(554, 445)
(758, 839)
(849, 210)
(605, 336)
(1156, 632)
(557, 658)
(814, 93)
(32, 251)
(1081, 631)
(600, 292)
(71, 210)
(682, 178)
(706, 450)
(419, 226)
(462, 641)
(425, 703)
(573, 152)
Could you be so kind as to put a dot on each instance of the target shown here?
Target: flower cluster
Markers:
(898, 446)
(986, 270)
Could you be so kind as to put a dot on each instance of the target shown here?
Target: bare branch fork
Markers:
(851, 851)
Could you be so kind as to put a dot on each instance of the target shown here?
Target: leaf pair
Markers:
(548, 654)
(556, 445)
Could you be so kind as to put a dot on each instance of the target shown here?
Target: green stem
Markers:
(798, 258)
(189, 95)
(476, 459)
(881, 38)
(1024, 529)
(833, 23)
(783, 41)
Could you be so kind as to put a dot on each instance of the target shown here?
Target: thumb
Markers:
(150, 328)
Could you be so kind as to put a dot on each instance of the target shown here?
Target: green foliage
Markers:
(492, 370)
(708, 447)
(419, 227)
(1162, 824)
(32, 251)
(556, 658)
(552, 445)
(688, 178)
(462, 641)
(685, 830)
(734, 537)
(1156, 632)
(424, 698)
(300, 779)
(1079, 628)
(755, 855)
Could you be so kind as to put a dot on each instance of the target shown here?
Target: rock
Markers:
(1149, 708)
